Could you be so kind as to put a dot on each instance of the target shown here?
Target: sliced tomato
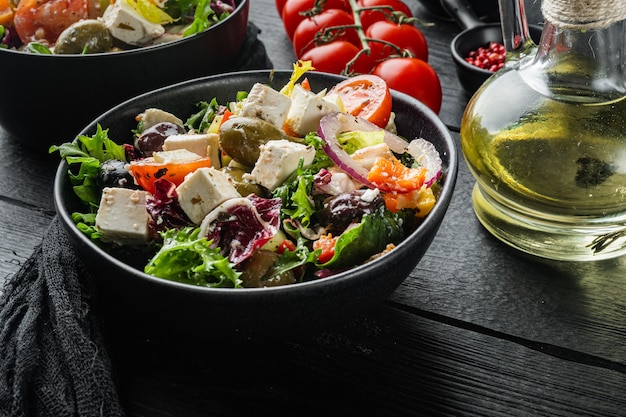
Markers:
(286, 245)
(44, 20)
(365, 96)
(147, 170)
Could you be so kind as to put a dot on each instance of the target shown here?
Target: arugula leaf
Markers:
(296, 191)
(201, 120)
(39, 48)
(88, 152)
(2, 31)
(185, 257)
(290, 260)
(370, 237)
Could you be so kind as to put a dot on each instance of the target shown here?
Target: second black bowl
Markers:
(51, 97)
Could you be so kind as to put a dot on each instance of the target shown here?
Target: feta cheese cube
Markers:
(266, 103)
(122, 217)
(205, 145)
(202, 191)
(176, 156)
(306, 110)
(277, 160)
(127, 25)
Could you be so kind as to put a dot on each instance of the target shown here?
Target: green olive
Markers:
(241, 137)
(257, 271)
(88, 36)
(244, 187)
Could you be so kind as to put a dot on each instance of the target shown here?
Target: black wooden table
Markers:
(476, 329)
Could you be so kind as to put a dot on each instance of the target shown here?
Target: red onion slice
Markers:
(330, 126)
(333, 124)
(427, 156)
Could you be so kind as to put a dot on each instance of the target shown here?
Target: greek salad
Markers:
(98, 26)
(273, 188)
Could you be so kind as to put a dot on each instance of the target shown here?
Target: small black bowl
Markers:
(130, 298)
(52, 97)
(470, 76)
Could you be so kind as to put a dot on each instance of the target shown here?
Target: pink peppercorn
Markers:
(490, 57)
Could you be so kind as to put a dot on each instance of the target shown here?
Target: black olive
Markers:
(340, 211)
(113, 173)
(153, 137)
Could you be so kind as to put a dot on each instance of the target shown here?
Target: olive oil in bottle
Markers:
(545, 139)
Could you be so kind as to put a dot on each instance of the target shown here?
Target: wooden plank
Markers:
(21, 229)
(26, 177)
(420, 367)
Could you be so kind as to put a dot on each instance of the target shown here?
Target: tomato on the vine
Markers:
(414, 77)
(279, 6)
(368, 17)
(304, 35)
(404, 36)
(334, 57)
(292, 12)
(365, 96)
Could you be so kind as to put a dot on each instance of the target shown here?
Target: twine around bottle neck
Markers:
(584, 14)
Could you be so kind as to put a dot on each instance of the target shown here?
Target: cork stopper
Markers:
(584, 14)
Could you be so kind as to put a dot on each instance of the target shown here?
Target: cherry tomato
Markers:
(147, 170)
(334, 57)
(414, 77)
(404, 36)
(304, 35)
(365, 96)
(286, 245)
(293, 9)
(280, 4)
(44, 20)
(368, 17)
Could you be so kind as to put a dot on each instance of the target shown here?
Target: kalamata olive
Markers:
(338, 212)
(244, 187)
(153, 137)
(241, 137)
(113, 173)
(87, 36)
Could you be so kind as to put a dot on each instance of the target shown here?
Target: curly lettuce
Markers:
(188, 258)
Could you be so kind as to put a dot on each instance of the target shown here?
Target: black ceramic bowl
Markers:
(129, 294)
(51, 97)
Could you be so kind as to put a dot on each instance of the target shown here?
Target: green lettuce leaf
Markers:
(370, 237)
(185, 257)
